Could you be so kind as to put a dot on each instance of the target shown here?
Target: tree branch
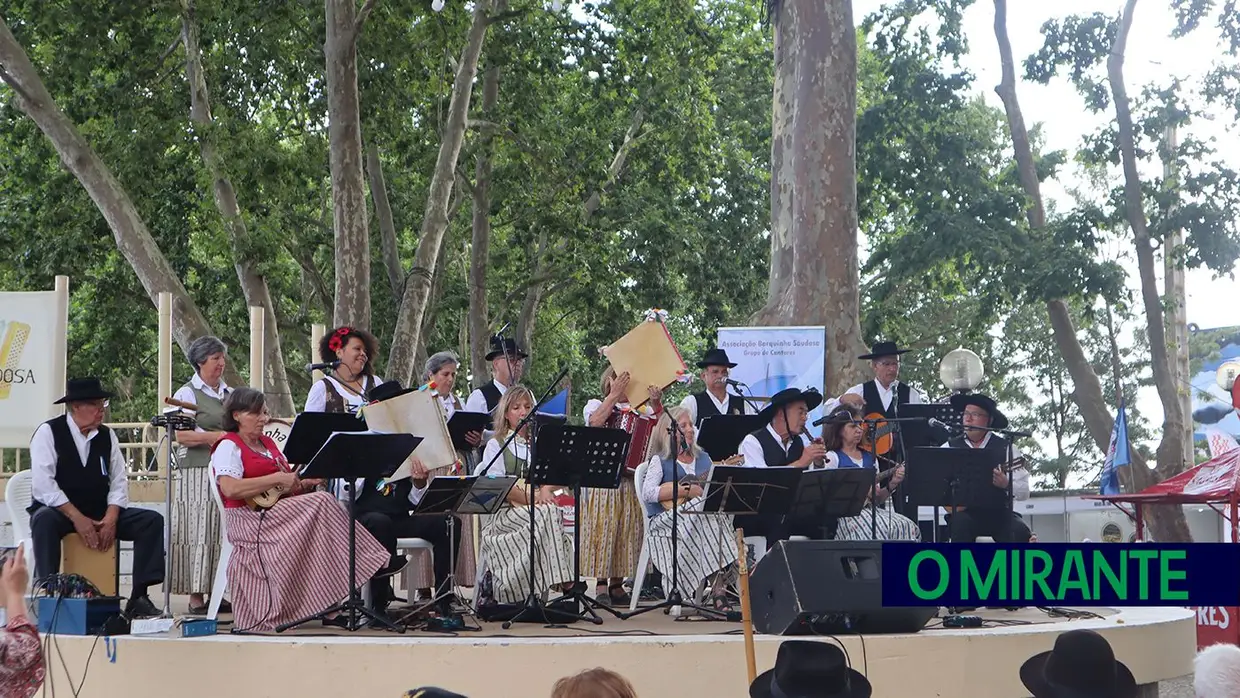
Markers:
(362, 14)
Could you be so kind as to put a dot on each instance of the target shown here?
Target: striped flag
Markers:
(1117, 453)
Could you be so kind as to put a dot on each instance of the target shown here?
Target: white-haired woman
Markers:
(1217, 672)
(195, 541)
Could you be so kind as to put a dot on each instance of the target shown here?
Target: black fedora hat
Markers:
(387, 391)
(715, 357)
(1082, 664)
(83, 390)
(811, 397)
(431, 692)
(880, 349)
(997, 419)
(507, 345)
(808, 669)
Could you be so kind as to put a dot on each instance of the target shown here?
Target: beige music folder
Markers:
(650, 356)
(419, 413)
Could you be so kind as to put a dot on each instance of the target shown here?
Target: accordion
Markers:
(640, 429)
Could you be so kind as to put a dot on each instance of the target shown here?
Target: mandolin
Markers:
(699, 481)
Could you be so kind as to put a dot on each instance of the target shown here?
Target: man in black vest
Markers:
(507, 365)
(80, 485)
(885, 393)
(783, 443)
(715, 399)
(383, 509)
(1001, 524)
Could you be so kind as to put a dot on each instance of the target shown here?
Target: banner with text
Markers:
(32, 356)
(770, 359)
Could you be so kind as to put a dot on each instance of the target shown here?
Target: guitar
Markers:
(877, 436)
(699, 481)
(1008, 468)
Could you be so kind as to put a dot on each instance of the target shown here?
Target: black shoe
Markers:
(340, 621)
(141, 607)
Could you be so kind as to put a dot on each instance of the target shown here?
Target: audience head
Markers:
(811, 669)
(594, 683)
(208, 355)
(1217, 672)
(431, 692)
(1081, 664)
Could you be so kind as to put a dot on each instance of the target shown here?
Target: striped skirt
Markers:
(889, 525)
(292, 560)
(195, 532)
(466, 568)
(505, 552)
(611, 531)
(706, 543)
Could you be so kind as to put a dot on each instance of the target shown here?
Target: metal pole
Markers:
(317, 331)
(164, 382)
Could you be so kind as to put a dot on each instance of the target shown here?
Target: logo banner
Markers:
(29, 380)
(770, 359)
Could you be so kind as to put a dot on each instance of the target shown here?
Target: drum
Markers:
(278, 430)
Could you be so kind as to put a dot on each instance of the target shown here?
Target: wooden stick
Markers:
(183, 405)
(751, 662)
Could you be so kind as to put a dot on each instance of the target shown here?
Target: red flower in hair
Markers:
(336, 343)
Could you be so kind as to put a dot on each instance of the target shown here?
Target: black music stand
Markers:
(462, 423)
(353, 456)
(577, 457)
(721, 435)
(953, 477)
(444, 496)
(312, 429)
(741, 491)
(921, 433)
(834, 493)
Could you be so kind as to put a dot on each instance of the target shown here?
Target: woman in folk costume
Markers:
(345, 390)
(195, 541)
(706, 544)
(611, 520)
(503, 557)
(440, 374)
(289, 561)
(842, 435)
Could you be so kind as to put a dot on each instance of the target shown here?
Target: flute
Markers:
(814, 440)
(180, 403)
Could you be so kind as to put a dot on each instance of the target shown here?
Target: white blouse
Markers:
(316, 401)
(226, 460)
(653, 480)
(492, 464)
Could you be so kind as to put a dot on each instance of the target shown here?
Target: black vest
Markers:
(874, 402)
(706, 406)
(86, 485)
(492, 396)
(773, 452)
(395, 503)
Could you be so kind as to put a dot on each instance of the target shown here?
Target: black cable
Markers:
(258, 537)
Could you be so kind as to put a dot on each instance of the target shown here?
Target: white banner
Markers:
(32, 360)
(770, 359)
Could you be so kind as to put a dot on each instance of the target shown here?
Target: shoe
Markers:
(340, 621)
(198, 610)
(618, 596)
(225, 607)
(141, 607)
(394, 567)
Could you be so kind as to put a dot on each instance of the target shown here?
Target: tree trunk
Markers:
(131, 234)
(387, 224)
(814, 264)
(480, 244)
(344, 132)
(407, 335)
(253, 284)
(1166, 523)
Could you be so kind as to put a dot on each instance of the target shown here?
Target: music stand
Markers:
(462, 423)
(312, 429)
(577, 457)
(444, 497)
(721, 435)
(953, 477)
(834, 493)
(354, 456)
(741, 491)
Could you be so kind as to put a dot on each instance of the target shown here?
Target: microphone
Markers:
(735, 383)
(500, 331)
(325, 366)
(938, 425)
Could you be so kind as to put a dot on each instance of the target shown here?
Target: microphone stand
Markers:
(749, 399)
(171, 422)
(1010, 436)
(674, 598)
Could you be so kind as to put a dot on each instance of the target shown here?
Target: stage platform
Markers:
(662, 656)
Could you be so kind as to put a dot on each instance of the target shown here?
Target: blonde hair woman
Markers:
(504, 560)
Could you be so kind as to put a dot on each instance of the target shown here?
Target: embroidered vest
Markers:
(335, 401)
(253, 463)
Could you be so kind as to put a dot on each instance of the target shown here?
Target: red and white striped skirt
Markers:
(293, 560)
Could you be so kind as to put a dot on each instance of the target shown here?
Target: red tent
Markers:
(1214, 482)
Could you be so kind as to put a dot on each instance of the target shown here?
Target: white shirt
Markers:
(649, 491)
(885, 394)
(1020, 478)
(751, 449)
(316, 401)
(226, 460)
(690, 404)
(493, 466)
(43, 485)
(186, 394)
(449, 405)
(477, 402)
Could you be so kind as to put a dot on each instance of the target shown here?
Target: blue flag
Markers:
(556, 404)
(1117, 454)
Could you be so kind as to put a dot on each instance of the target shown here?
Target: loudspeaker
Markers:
(826, 587)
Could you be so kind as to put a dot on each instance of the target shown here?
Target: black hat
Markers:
(1082, 664)
(431, 692)
(507, 345)
(715, 357)
(962, 400)
(387, 391)
(881, 349)
(83, 390)
(811, 397)
(808, 669)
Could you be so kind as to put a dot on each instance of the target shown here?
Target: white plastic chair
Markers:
(408, 545)
(18, 497)
(221, 568)
(643, 558)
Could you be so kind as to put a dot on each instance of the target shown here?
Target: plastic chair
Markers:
(221, 568)
(408, 545)
(18, 497)
(643, 558)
